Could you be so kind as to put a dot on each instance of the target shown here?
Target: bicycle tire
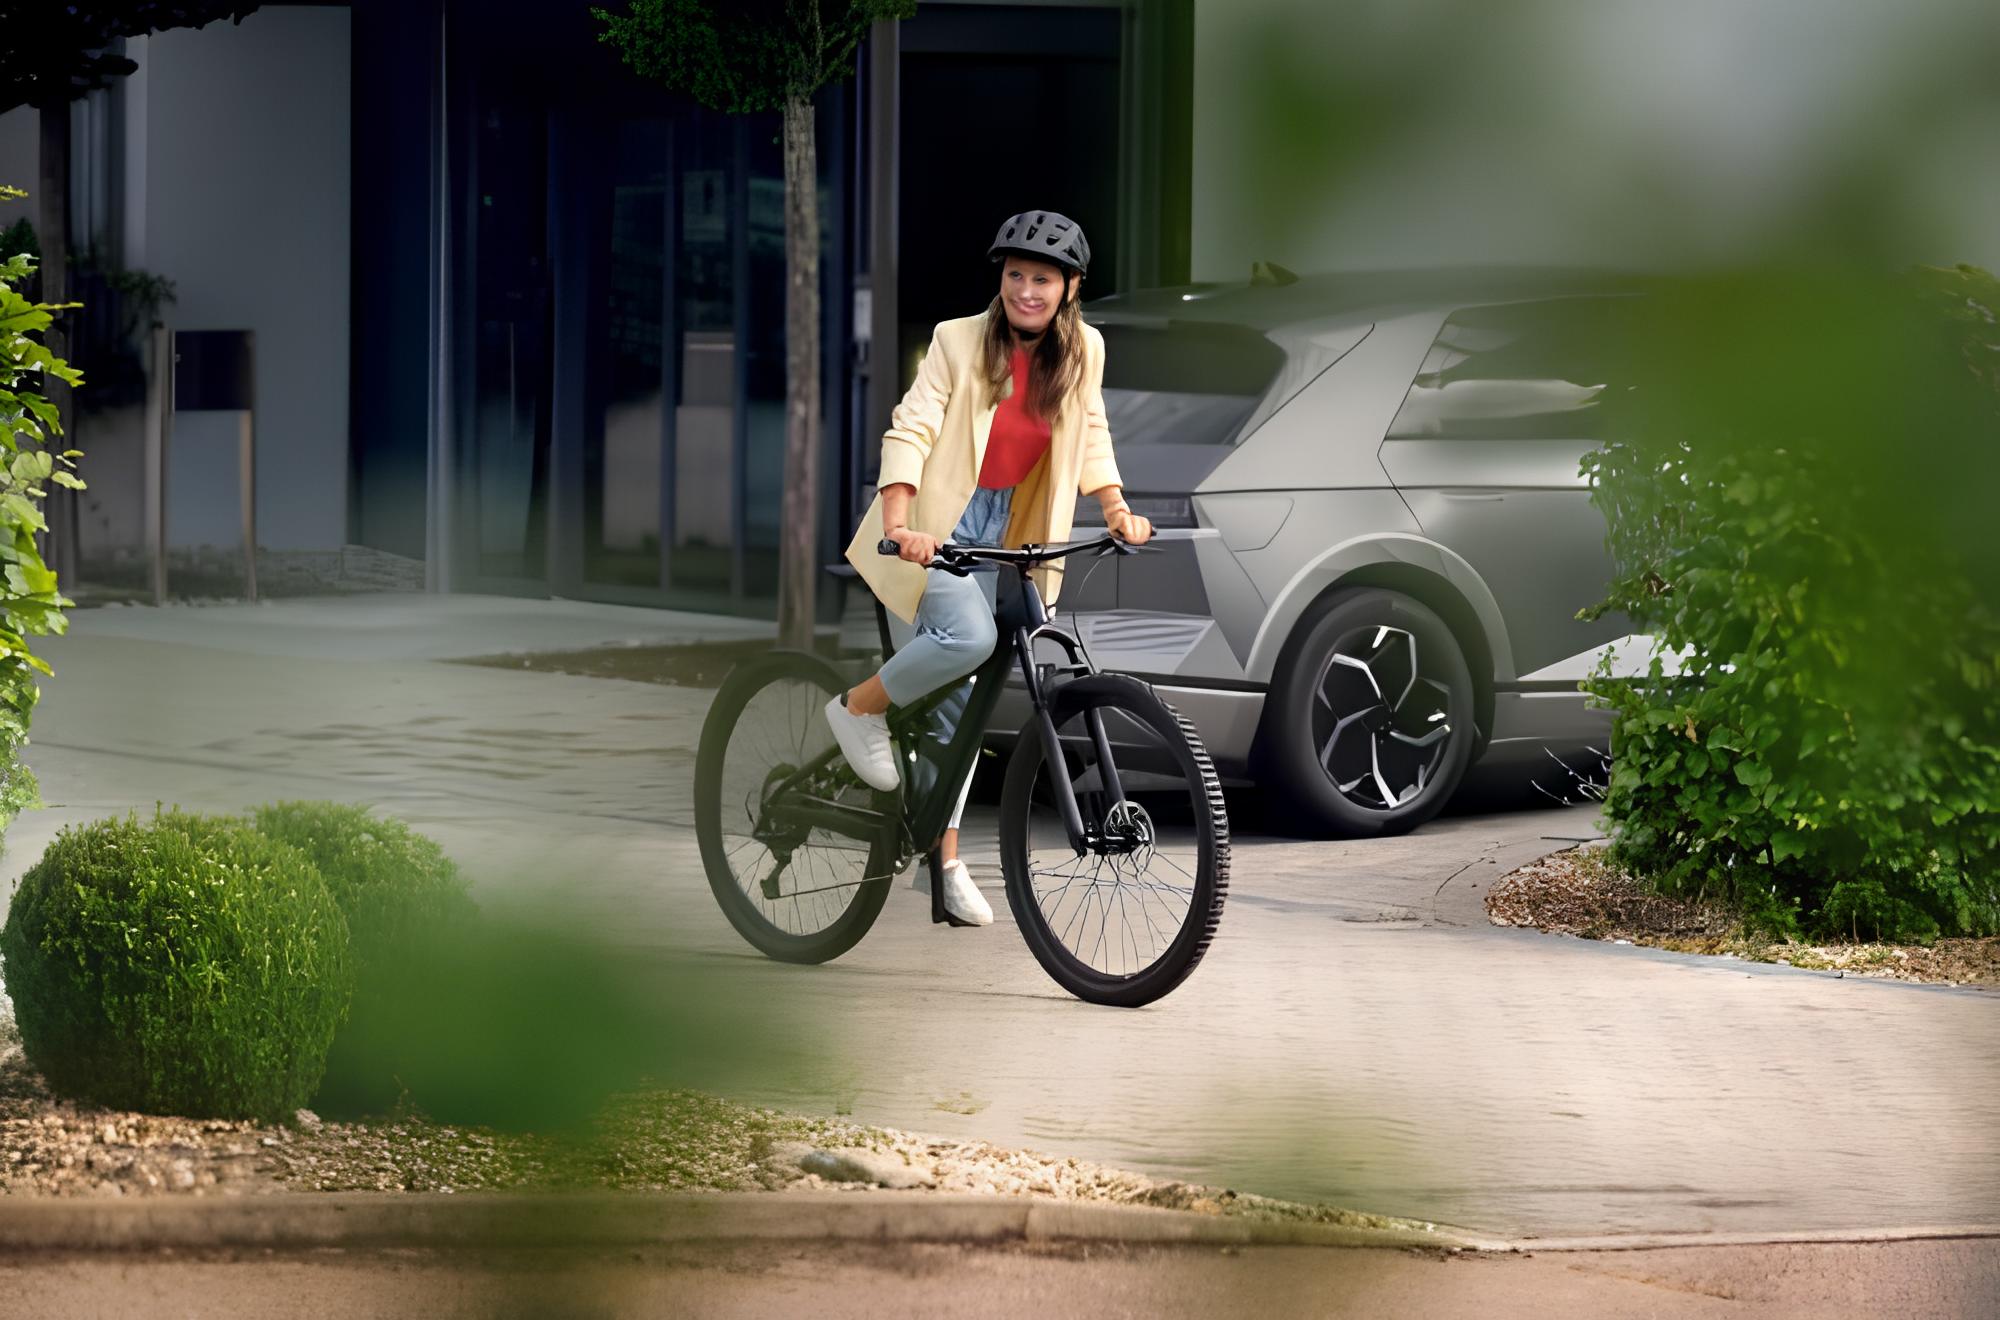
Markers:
(853, 909)
(1180, 746)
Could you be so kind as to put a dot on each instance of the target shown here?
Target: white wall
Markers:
(240, 194)
(1383, 133)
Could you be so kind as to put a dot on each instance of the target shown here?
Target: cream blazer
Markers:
(936, 442)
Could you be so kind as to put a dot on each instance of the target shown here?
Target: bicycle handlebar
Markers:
(957, 558)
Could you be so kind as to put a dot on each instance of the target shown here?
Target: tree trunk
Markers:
(798, 575)
(59, 549)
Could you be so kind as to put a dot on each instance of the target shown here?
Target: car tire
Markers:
(1369, 724)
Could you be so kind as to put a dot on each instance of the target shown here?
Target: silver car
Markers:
(1375, 538)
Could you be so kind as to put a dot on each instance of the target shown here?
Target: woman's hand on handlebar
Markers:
(916, 547)
(1132, 528)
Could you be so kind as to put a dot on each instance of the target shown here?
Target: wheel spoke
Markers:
(1362, 665)
(1340, 727)
(1389, 795)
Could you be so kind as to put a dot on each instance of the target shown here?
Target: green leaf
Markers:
(19, 510)
(33, 466)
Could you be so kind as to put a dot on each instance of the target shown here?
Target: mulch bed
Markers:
(687, 664)
(1579, 892)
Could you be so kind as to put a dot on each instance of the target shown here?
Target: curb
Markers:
(1670, 1241)
(609, 1220)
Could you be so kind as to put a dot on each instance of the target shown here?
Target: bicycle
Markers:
(1114, 836)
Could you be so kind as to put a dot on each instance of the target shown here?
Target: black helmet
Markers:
(1045, 236)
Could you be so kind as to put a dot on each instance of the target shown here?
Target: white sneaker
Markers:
(864, 740)
(962, 898)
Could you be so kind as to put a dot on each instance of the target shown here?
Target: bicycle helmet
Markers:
(1045, 236)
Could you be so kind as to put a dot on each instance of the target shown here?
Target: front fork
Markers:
(1081, 840)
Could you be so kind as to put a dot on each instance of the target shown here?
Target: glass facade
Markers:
(618, 336)
(570, 353)
(625, 450)
(508, 439)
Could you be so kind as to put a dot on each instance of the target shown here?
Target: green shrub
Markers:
(398, 891)
(185, 965)
(1798, 490)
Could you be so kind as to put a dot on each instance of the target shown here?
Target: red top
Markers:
(1017, 441)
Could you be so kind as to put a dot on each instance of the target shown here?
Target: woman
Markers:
(1002, 429)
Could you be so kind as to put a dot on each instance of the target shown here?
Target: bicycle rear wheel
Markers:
(797, 893)
(1126, 920)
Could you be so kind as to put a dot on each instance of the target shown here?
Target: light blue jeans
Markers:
(954, 631)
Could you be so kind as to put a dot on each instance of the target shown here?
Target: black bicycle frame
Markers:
(1023, 618)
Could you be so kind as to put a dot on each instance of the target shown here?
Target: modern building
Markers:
(518, 314)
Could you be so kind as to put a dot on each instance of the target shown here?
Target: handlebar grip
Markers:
(887, 547)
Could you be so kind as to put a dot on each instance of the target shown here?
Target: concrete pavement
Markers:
(1358, 1035)
(845, 1280)
(842, 1254)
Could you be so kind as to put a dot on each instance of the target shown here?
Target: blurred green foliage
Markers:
(1797, 489)
(184, 965)
(516, 1024)
(30, 460)
(399, 892)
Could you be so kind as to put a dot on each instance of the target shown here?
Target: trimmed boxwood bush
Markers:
(185, 965)
(400, 893)
(1799, 487)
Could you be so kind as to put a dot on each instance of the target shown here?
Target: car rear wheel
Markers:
(1369, 724)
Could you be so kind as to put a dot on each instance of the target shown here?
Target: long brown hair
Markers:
(1055, 363)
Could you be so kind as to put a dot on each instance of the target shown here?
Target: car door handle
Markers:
(1472, 496)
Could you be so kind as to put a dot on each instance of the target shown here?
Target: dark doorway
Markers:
(1003, 108)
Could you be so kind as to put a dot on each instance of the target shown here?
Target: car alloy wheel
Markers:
(1380, 723)
(1368, 726)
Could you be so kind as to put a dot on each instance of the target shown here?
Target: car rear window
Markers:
(1185, 383)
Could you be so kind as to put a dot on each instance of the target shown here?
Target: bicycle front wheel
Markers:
(798, 892)
(1127, 919)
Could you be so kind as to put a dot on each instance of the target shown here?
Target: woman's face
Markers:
(1031, 291)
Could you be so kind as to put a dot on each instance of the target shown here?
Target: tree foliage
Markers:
(743, 58)
(1798, 491)
(52, 52)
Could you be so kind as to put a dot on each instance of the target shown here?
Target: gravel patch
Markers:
(658, 1141)
(1579, 892)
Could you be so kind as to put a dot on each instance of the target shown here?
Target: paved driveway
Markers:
(1357, 1035)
